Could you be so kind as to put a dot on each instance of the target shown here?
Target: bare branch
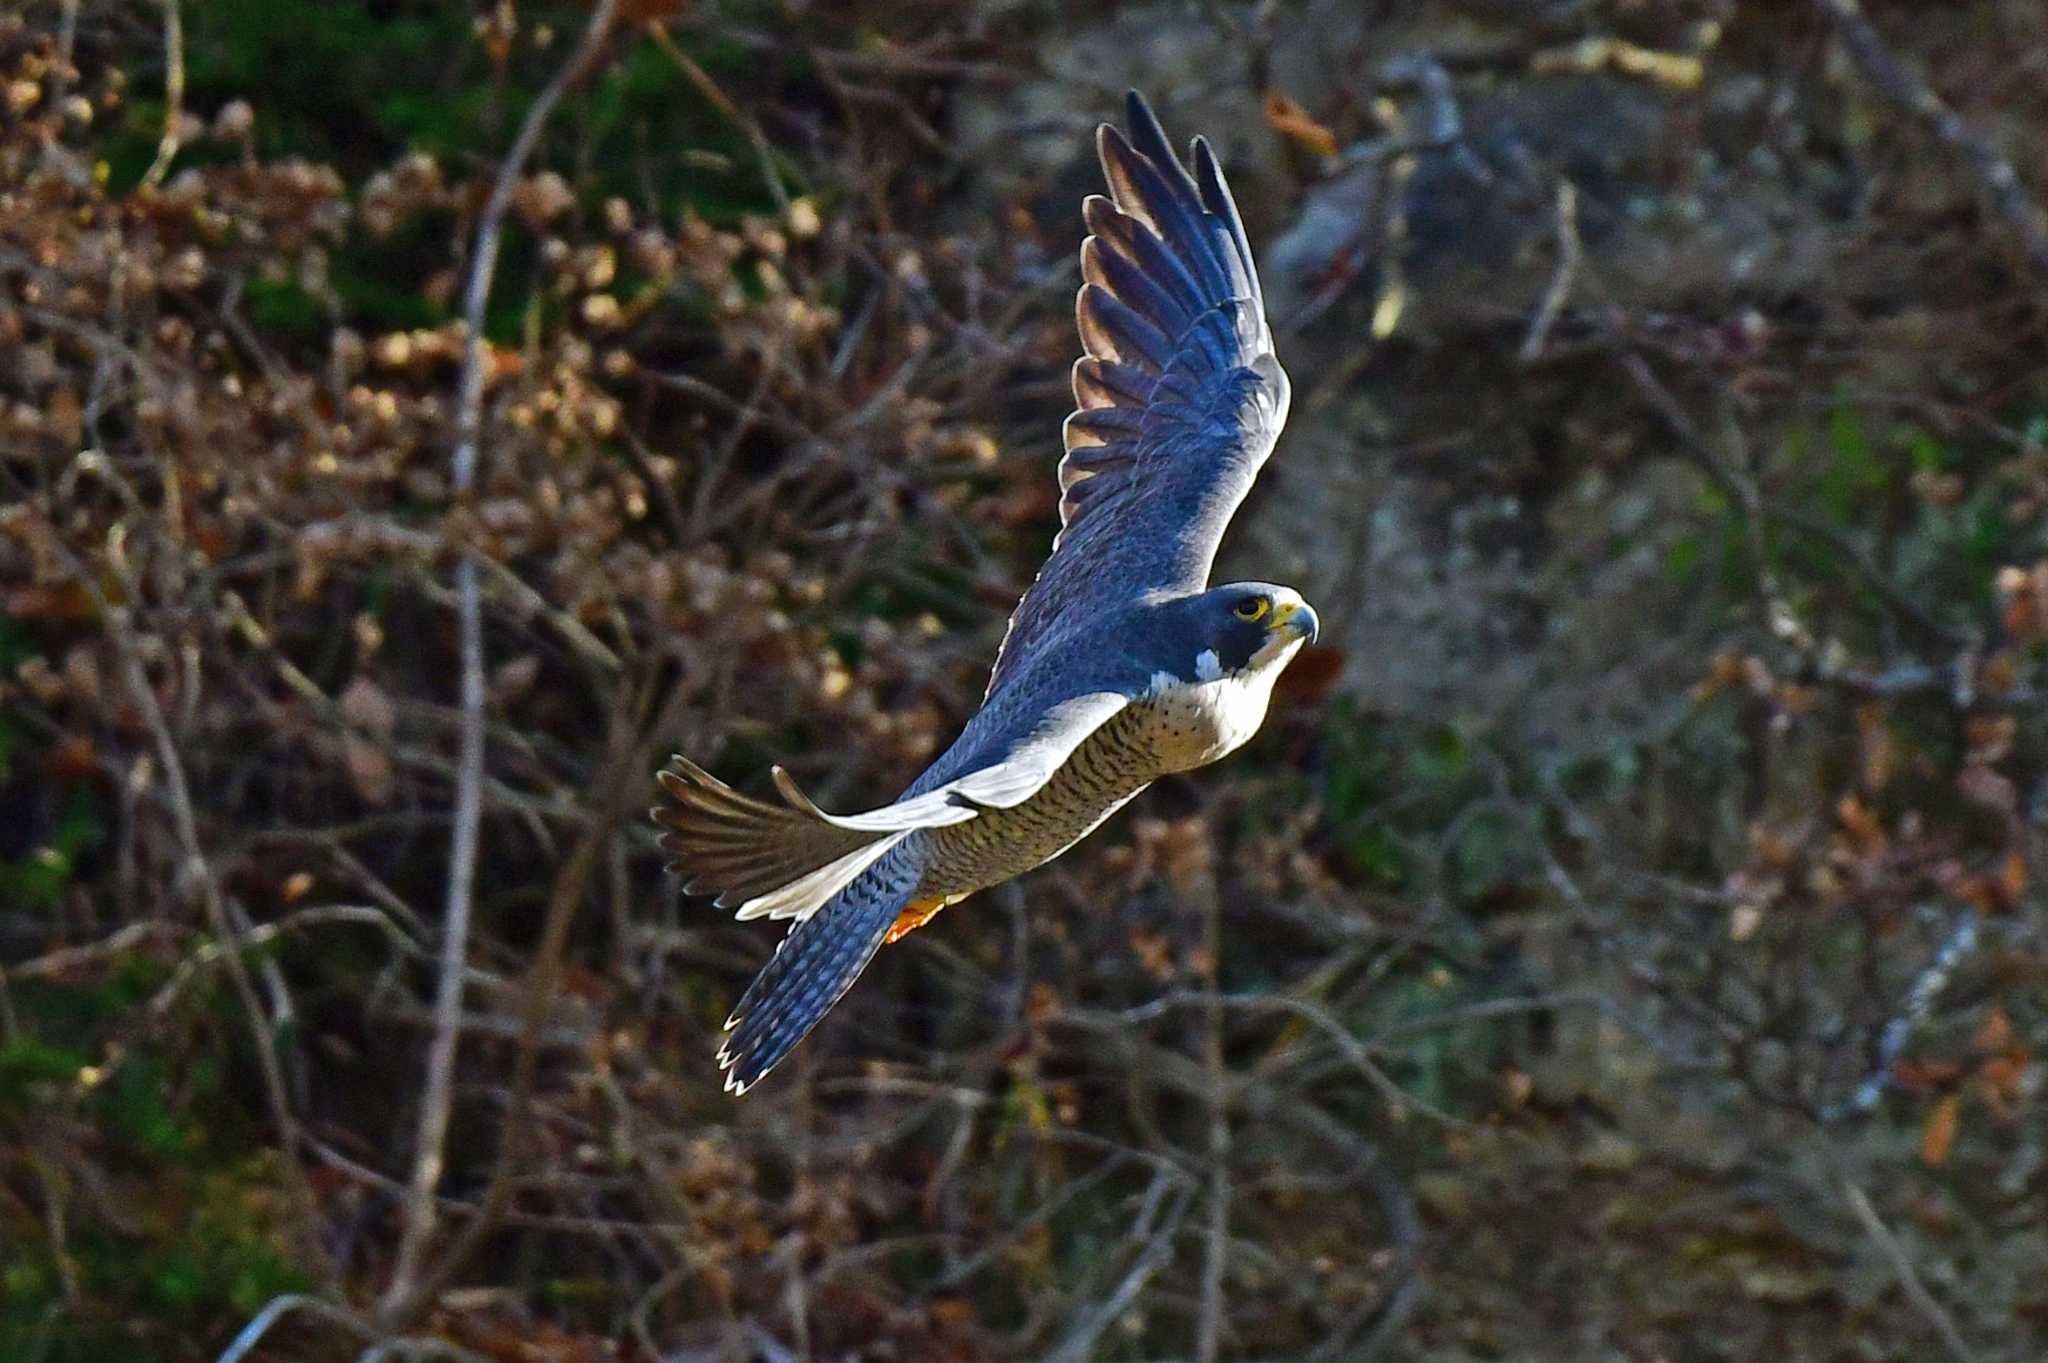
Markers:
(275, 1310)
(174, 94)
(1567, 272)
(1902, 1268)
(1158, 1251)
(1216, 1244)
(401, 1296)
(1897, 83)
(771, 173)
(615, 792)
(1926, 988)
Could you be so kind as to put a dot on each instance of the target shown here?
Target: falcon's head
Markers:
(1243, 628)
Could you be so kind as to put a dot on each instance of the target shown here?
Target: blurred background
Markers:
(1625, 940)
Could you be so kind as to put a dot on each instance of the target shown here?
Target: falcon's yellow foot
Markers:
(917, 913)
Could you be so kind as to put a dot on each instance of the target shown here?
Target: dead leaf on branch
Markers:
(365, 745)
(1292, 121)
(1938, 1135)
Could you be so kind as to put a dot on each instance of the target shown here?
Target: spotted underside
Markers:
(1178, 728)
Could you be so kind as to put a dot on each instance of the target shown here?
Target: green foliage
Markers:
(16, 648)
(263, 50)
(200, 1241)
(28, 1066)
(227, 1260)
(1409, 800)
(409, 76)
(37, 879)
(1940, 551)
(210, 1256)
(281, 306)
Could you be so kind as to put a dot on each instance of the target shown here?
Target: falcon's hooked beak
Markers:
(1297, 618)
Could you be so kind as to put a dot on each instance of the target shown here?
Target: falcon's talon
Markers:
(914, 916)
(1121, 664)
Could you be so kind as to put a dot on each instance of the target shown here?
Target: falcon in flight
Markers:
(1121, 664)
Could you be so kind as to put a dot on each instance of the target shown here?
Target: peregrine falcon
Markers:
(1121, 664)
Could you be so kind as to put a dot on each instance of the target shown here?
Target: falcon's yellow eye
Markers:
(1251, 608)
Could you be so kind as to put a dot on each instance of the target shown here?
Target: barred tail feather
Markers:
(765, 860)
(814, 967)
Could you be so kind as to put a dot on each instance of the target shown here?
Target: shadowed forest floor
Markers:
(1625, 941)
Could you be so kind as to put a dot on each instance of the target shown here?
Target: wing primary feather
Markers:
(792, 794)
(1141, 189)
(1106, 424)
(1113, 331)
(709, 818)
(1150, 139)
(1111, 270)
(1217, 198)
(1135, 240)
(1105, 383)
(1178, 399)
(1084, 461)
(1088, 488)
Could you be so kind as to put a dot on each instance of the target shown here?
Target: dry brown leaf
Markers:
(1290, 120)
(1988, 788)
(369, 769)
(2026, 601)
(1154, 952)
(1310, 677)
(65, 415)
(2000, 673)
(1880, 755)
(2003, 1081)
(364, 705)
(1938, 1135)
(642, 11)
(512, 680)
(1723, 672)
(76, 757)
(1990, 738)
(371, 717)
(62, 601)
(1925, 1076)
(1986, 893)
(1994, 1034)
(82, 672)
(2014, 874)
(1860, 825)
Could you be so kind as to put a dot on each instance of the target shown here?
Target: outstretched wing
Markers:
(1179, 397)
(770, 861)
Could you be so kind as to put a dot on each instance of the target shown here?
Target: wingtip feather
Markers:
(1144, 123)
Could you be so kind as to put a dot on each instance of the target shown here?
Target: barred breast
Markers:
(1176, 730)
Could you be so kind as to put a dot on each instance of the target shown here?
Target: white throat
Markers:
(1197, 722)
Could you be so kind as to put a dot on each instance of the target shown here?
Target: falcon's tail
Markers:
(767, 861)
(814, 966)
